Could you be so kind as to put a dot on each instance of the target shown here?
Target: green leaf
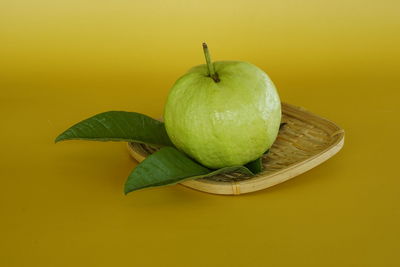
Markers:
(170, 166)
(255, 166)
(119, 126)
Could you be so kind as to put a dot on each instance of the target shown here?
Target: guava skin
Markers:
(226, 123)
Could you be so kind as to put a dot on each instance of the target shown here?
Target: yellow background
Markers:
(63, 61)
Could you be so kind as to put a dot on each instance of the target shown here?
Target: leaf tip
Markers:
(59, 138)
(127, 188)
(127, 191)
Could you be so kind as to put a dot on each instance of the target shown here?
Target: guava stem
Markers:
(210, 65)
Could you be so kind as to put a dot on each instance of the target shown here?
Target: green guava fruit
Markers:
(224, 113)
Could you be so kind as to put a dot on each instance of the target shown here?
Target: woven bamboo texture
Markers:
(304, 141)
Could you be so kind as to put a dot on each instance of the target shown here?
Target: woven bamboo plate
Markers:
(305, 141)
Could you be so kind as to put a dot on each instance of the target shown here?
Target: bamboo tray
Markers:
(305, 141)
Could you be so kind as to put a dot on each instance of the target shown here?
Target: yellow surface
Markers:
(62, 61)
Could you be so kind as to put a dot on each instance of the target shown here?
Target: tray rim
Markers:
(260, 181)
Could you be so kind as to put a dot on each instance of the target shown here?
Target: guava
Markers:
(222, 114)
